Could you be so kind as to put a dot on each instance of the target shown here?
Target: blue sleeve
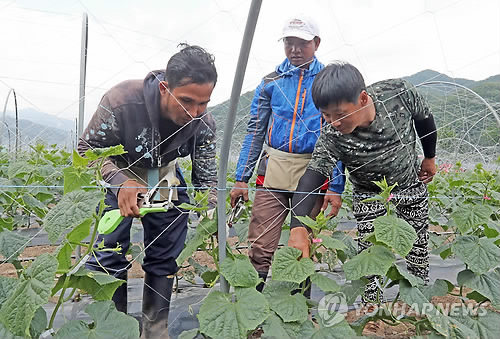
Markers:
(260, 114)
(337, 182)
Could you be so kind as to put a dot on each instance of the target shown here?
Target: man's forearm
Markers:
(303, 201)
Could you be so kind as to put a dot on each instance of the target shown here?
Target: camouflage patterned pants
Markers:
(411, 204)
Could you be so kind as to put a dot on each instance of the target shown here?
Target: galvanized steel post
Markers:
(246, 44)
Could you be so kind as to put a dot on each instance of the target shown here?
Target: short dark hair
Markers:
(191, 65)
(338, 82)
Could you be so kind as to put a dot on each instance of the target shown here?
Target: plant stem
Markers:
(59, 302)
(19, 267)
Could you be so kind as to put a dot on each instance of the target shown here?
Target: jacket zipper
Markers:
(295, 110)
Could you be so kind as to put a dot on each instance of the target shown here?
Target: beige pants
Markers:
(269, 211)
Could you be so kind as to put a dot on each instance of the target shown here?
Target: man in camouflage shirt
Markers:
(373, 131)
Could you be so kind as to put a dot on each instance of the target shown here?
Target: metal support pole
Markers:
(83, 73)
(3, 116)
(246, 44)
(18, 136)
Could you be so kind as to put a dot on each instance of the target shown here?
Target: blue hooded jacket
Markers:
(283, 115)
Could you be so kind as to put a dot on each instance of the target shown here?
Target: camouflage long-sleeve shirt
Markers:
(385, 148)
(128, 114)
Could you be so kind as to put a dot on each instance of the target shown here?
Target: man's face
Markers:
(300, 52)
(345, 117)
(184, 103)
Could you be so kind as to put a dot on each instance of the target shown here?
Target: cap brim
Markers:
(298, 34)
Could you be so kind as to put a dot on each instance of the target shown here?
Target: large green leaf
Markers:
(351, 248)
(324, 283)
(309, 222)
(446, 326)
(397, 273)
(353, 289)
(63, 255)
(486, 323)
(289, 307)
(480, 254)
(239, 271)
(5, 334)
(286, 265)
(374, 260)
(418, 302)
(12, 244)
(19, 169)
(468, 217)
(32, 291)
(38, 323)
(332, 243)
(7, 286)
(204, 230)
(241, 229)
(106, 323)
(73, 209)
(6, 222)
(189, 334)
(275, 328)
(190, 247)
(221, 317)
(395, 232)
(76, 178)
(208, 275)
(78, 161)
(488, 284)
(438, 289)
(33, 204)
(80, 232)
(99, 153)
(340, 330)
(99, 285)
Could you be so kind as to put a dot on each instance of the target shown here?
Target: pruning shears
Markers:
(146, 202)
(236, 211)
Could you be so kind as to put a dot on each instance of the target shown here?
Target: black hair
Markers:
(191, 65)
(336, 83)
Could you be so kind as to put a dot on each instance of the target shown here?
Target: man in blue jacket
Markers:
(285, 122)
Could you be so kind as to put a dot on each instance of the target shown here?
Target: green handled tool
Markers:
(112, 219)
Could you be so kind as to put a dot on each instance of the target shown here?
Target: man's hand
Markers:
(299, 239)
(335, 200)
(240, 189)
(427, 170)
(127, 198)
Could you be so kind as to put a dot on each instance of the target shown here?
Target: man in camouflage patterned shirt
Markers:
(157, 120)
(373, 131)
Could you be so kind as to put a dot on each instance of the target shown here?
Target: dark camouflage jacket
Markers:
(385, 148)
(129, 114)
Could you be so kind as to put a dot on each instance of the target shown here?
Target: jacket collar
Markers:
(287, 69)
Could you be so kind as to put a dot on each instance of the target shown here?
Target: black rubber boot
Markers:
(260, 286)
(155, 306)
(120, 295)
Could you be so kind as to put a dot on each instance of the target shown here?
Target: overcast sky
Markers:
(40, 41)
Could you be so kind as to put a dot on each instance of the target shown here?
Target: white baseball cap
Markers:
(300, 26)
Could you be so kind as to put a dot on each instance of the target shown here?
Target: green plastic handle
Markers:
(111, 219)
